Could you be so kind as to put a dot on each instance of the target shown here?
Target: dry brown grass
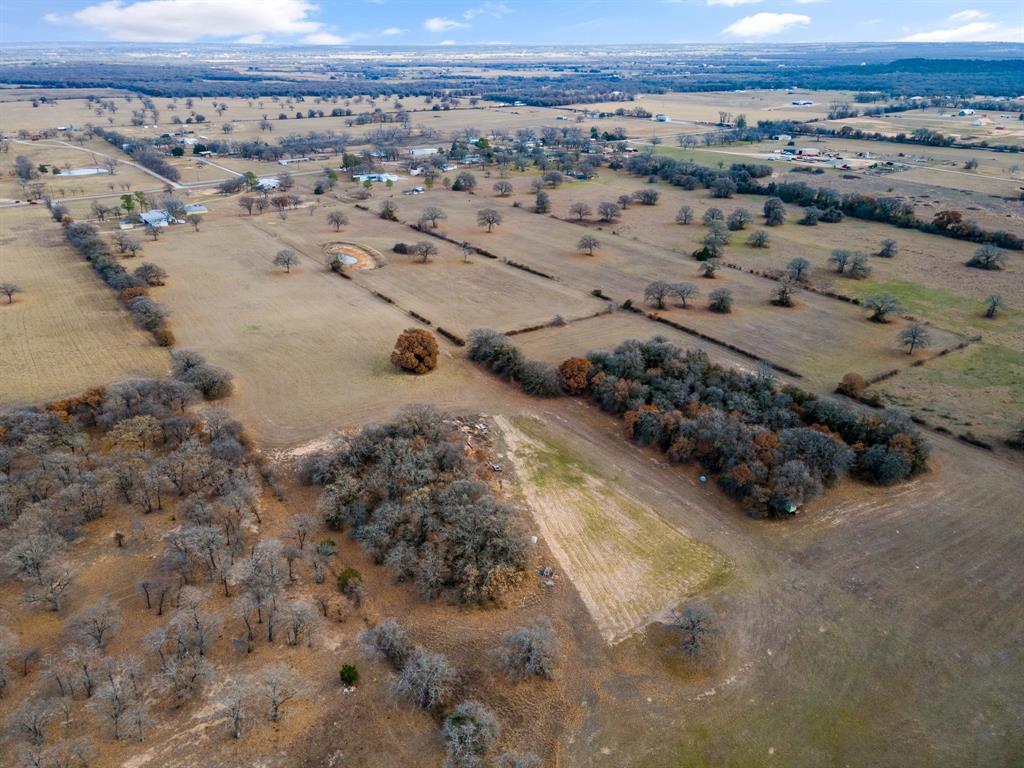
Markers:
(67, 331)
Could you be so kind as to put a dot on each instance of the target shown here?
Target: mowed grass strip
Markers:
(629, 565)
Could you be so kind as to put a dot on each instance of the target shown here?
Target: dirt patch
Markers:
(355, 256)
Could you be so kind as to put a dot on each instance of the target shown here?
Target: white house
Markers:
(965, 113)
(156, 218)
(422, 151)
(801, 102)
(382, 178)
(290, 160)
(270, 182)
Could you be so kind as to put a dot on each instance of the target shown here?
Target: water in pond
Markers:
(347, 260)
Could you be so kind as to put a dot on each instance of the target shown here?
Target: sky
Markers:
(518, 22)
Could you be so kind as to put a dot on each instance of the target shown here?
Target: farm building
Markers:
(270, 182)
(290, 160)
(663, 118)
(422, 151)
(965, 113)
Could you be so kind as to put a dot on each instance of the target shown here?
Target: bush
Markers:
(539, 378)
(349, 675)
(529, 651)
(212, 381)
(346, 577)
(415, 351)
(720, 300)
(426, 680)
(469, 732)
(390, 640)
(573, 373)
(852, 385)
(401, 248)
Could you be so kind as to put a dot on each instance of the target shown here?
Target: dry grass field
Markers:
(629, 566)
(755, 104)
(878, 627)
(812, 338)
(993, 127)
(66, 332)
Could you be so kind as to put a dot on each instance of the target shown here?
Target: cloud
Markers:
(497, 10)
(447, 42)
(977, 31)
(326, 38)
(438, 24)
(807, 2)
(391, 31)
(765, 24)
(956, 18)
(182, 21)
(252, 40)
(733, 3)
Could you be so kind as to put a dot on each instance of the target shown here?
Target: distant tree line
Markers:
(828, 204)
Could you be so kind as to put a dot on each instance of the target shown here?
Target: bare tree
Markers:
(529, 651)
(580, 210)
(427, 680)
(889, 248)
(235, 706)
(698, 626)
(656, 293)
(96, 624)
(798, 268)
(608, 211)
(993, 305)
(424, 250)
(913, 337)
(882, 305)
(287, 259)
(488, 217)
(684, 292)
(337, 219)
(469, 733)
(433, 214)
(277, 686)
(247, 203)
(195, 220)
(30, 719)
(8, 290)
(300, 526)
(588, 244)
(300, 620)
(684, 215)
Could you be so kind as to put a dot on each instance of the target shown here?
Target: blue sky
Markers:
(451, 22)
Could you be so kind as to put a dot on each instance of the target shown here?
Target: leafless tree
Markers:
(608, 211)
(503, 188)
(488, 217)
(427, 680)
(433, 214)
(529, 651)
(424, 250)
(287, 259)
(29, 720)
(300, 620)
(235, 706)
(278, 687)
(588, 244)
(9, 290)
(300, 527)
(337, 219)
(96, 624)
(580, 210)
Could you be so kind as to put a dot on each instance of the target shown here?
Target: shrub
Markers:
(988, 256)
(426, 680)
(529, 651)
(573, 373)
(349, 675)
(469, 732)
(415, 351)
(390, 640)
(538, 378)
(720, 300)
(852, 385)
(346, 579)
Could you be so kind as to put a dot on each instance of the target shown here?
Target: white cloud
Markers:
(447, 42)
(391, 31)
(182, 21)
(497, 10)
(969, 15)
(976, 31)
(765, 24)
(807, 2)
(326, 38)
(438, 24)
(252, 40)
(733, 3)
